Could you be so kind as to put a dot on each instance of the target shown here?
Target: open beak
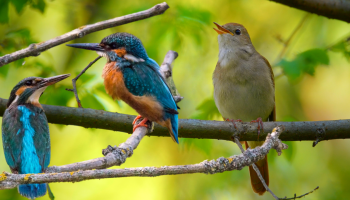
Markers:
(87, 46)
(221, 30)
(52, 80)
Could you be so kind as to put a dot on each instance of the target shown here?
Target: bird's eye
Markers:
(114, 46)
(238, 32)
(28, 83)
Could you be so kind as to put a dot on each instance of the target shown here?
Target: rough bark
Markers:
(334, 9)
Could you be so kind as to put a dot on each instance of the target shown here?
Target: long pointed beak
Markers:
(87, 46)
(52, 80)
(221, 30)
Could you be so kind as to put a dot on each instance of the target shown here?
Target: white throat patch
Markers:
(133, 58)
(34, 98)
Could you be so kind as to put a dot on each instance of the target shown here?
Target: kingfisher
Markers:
(25, 132)
(130, 75)
(244, 88)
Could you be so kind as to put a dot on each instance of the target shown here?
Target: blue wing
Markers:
(144, 78)
(11, 141)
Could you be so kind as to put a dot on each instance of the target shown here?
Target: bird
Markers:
(25, 132)
(130, 75)
(244, 88)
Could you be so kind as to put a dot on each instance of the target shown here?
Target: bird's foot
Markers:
(142, 123)
(260, 124)
(234, 121)
(137, 118)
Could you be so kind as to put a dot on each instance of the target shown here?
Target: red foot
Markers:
(260, 124)
(234, 121)
(137, 118)
(142, 123)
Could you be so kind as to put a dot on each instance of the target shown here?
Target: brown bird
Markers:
(244, 88)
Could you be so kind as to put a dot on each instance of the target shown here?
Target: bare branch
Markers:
(299, 197)
(8, 180)
(334, 9)
(166, 70)
(191, 128)
(36, 49)
(74, 81)
(114, 156)
(279, 146)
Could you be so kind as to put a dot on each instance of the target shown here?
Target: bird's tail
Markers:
(262, 165)
(32, 191)
(174, 127)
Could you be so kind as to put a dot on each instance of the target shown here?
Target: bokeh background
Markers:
(312, 83)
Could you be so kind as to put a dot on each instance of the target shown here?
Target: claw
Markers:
(142, 123)
(260, 125)
(234, 121)
(137, 118)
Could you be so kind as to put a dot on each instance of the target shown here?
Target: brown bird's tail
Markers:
(262, 165)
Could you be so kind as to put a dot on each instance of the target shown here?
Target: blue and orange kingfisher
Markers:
(25, 132)
(130, 75)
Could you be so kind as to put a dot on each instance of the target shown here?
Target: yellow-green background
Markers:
(187, 28)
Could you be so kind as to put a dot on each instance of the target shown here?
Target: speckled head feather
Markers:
(31, 88)
(17, 87)
(129, 42)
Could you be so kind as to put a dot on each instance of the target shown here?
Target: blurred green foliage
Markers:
(304, 91)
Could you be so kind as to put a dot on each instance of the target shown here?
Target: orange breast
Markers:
(147, 106)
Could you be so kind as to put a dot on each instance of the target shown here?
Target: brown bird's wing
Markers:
(262, 165)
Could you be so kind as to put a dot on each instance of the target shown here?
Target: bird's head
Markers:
(232, 35)
(30, 89)
(116, 46)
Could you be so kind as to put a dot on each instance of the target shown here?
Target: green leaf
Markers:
(305, 62)
(56, 95)
(203, 145)
(4, 10)
(19, 5)
(207, 110)
(39, 5)
(90, 101)
(343, 47)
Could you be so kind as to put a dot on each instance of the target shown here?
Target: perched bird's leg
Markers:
(260, 124)
(142, 123)
(137, 118)
(234, 121)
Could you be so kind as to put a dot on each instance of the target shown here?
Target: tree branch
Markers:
(113, 156)
(191, 128)
(36, 49)
(334, 9)
(8, 180)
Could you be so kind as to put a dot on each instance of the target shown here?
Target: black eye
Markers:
(28, 83)
(114, 46)
(238, 32)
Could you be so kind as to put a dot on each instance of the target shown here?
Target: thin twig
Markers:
(74, 81)
(8, 180)
(287, 42)
(299, 197)
(36, 49)
(279, 146)
(256, 170)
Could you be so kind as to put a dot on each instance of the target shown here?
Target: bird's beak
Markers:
(221, 30)
(52, 80)
(87, 46)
